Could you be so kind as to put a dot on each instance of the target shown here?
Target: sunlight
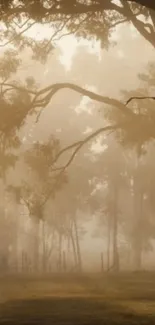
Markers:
(83, 105)
(97, 146)
(68, 44)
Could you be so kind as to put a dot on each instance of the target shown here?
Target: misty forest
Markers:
(77, 161)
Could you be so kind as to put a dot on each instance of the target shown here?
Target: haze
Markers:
(77, 208)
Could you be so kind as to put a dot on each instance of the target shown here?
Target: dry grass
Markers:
(85, 299)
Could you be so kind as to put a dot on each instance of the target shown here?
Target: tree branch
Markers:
(150, 4)
(48, 93)
(78, 146)
(139, 98)
(72, 9)
(138, 24)
(17, 35)
(59, 10)
(53, 89)
(9, 87)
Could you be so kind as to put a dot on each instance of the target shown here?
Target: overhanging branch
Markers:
(40, 99)
(53, 89)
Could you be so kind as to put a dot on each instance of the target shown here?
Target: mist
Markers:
(77, 161)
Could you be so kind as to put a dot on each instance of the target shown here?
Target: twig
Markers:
(139, 98)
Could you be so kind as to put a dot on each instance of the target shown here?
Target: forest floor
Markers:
(124, 299)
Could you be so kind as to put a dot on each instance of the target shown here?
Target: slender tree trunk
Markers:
(108, 243)
(50, 250)
(36, 246)
(138, 231)
(102, 263)
(79, 259)
(60, 252)
(115, 231)
(4, 201)
(74, 248)
(68, 245)
(44, 260)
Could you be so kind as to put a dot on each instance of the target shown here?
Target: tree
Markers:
(111, 168)
(139, 138)
(95, 14)
(134, 125)
(40, 184)
(84, 19)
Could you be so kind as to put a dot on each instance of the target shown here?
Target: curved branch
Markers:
(139, 98)
(48, 93)
(53, 89)
(79, 144)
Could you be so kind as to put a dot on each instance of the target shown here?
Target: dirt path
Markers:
(67, 311)
(121, 300)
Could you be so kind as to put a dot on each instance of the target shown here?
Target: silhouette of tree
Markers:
(86, 19)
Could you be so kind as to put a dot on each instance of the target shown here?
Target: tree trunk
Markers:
(60, 252)
(115, 231)
(36, 246)
(138, 231)
(74, 248)
(44, 255)
(79, 259)
(108, 243)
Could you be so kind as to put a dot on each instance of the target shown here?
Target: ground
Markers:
(127, 299)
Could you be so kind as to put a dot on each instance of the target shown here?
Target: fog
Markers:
(69, 118)
(77, 157)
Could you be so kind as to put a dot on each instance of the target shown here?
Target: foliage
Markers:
(86, 19)
(141, 131)
(40, 184)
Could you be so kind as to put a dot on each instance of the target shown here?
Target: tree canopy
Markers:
(86, 19)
